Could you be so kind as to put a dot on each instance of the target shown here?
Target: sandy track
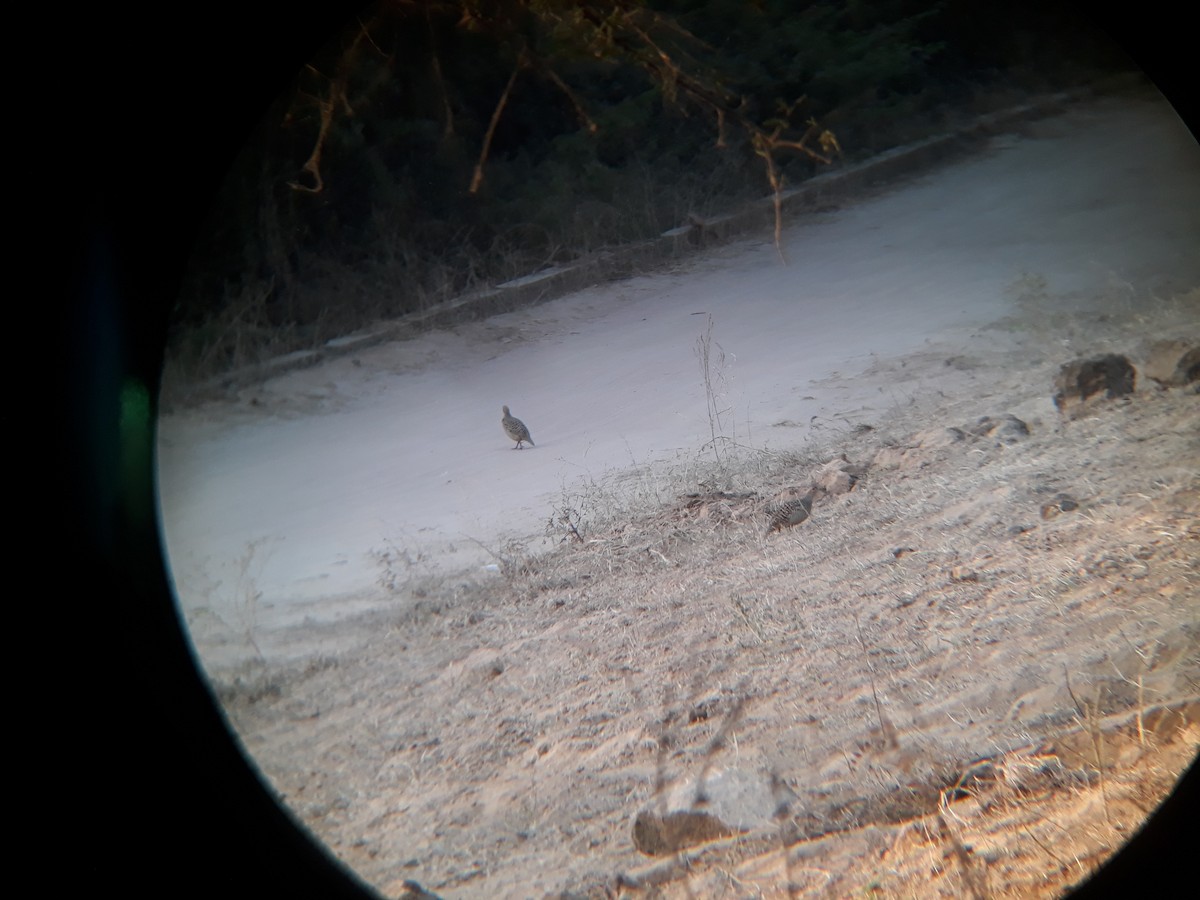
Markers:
(401, 446)
(493, 734)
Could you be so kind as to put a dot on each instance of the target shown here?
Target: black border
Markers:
(158, 799)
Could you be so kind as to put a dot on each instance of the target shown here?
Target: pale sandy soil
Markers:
(493, 732)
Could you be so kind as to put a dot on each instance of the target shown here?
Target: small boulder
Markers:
(1082, 381)
(962, 574)
(726, 802)
(661, 834)
(1173, 363)
(414, 891)
(1006, 429)
(933, 438)
(918, 450)
(1061, 503)
(838, 476)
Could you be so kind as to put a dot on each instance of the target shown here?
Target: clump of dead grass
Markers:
(850, 659)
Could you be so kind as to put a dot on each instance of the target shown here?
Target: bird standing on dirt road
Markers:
(791, 512)
(515, 429)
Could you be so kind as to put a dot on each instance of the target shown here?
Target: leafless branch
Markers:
(477, 178)
(327, 106)
(447, 111)
(580, 112)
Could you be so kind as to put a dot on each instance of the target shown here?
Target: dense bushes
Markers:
(619, 119)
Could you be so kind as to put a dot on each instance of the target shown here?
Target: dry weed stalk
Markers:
(728, 724)
(971, 879)
(1141, 686)
(570, 519)
(246, 593)
(1090, 718)
(740, 605)
(511, 564)
(712, 372)
(886, 727)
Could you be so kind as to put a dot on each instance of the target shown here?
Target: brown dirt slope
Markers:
(976, 670)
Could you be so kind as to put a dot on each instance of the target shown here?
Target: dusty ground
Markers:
(948, 623)
(300, 484)
(956, 672)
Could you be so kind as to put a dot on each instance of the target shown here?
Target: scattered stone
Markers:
(1083, 381)
(727, 802)
(892, 458)
(962, 363)
(1007, 429)
(707, 708)
(961, 574)
(914, 452)
(939, 437)
(660, 835)
(598, 888)
(835, 483)
(917, 451)
(414, 891)
(1060, 504)
(838, 476)
(1173, 363)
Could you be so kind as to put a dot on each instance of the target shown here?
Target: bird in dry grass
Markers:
(791, 512)
(515, 429)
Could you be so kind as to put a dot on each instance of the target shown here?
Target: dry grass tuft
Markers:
(966, 698)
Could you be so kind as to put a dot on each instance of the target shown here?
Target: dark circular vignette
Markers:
(161, 798)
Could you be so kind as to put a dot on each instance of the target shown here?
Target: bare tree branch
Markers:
(477, 178)
(580, 112)
(657, 44)
(767, 144)
(325, 107)
(334, 97)
(447, 111)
